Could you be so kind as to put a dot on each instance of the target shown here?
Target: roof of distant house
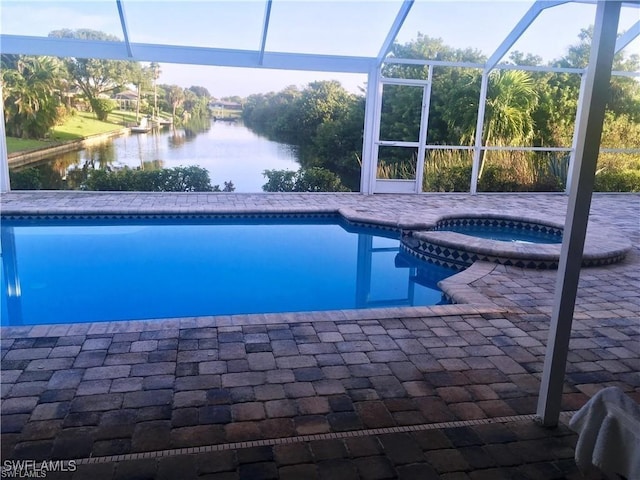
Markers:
(224, 103)
(126, 95)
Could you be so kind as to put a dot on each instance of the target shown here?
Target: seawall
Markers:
(19, 159)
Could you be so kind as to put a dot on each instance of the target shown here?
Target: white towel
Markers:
(608, 428)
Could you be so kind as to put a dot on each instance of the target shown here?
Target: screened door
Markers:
(402, 135)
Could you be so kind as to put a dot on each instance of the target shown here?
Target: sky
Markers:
(356, 27)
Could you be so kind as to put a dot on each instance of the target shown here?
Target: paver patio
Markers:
(443, 392)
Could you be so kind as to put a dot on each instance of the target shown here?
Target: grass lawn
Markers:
(84, 124)
(76, 127)
(80, 125)
(123, 117)
(21, 144)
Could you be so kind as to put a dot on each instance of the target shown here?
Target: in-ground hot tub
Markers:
(459, 240)
(502, 229)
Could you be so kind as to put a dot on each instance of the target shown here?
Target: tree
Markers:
(142, 78)
(93, 76)
(454, 93)
(195, 106)
(323, 120)
(234, 98)
(519, 58)
(200, 91)
(554, 114)
(624, 92)
(30, 94)
(320, 102)
(279, 181)
(511, 99)
(162, 97)
(340, 141)
(274, 114)
(175, 98)
(155, 72)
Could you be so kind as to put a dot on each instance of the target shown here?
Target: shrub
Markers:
(456, 178)
(617, 181)
(318, 179)
(177, 179)
(63, 113)
(228, 187)
(27, 179)
(184, 179)
(103, 107)
(496, 178)
(279, 180)
(314, 179)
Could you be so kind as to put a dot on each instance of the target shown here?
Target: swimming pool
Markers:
(68, 270)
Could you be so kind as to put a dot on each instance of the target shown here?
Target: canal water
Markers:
(229, 151)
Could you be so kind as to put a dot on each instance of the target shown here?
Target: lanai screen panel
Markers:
(479, 25)
(558, 28)
(484, 24)
(214, 24)
(39, 18)
(353, 28)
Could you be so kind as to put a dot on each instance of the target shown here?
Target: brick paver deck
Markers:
(444, 392)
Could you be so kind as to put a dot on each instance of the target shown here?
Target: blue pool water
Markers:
(67, 271)
(506, 234)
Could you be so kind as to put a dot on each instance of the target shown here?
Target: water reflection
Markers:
(230, 152)
(177, 138)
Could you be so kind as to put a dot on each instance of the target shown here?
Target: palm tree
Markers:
(30, 94)
(511, 100)
(141, 79)
(175, 97)
(155, 71)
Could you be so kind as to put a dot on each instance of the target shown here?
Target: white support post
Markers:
(369, 138)
(519, 29)
(125, 29)
(5, 184)
(574, 142)
(405, 8)
(477, 149)
(628, 36)
(598, 76)
(424, 126)
(265, 29)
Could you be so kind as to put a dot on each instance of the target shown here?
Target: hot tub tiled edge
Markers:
(603, 246)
